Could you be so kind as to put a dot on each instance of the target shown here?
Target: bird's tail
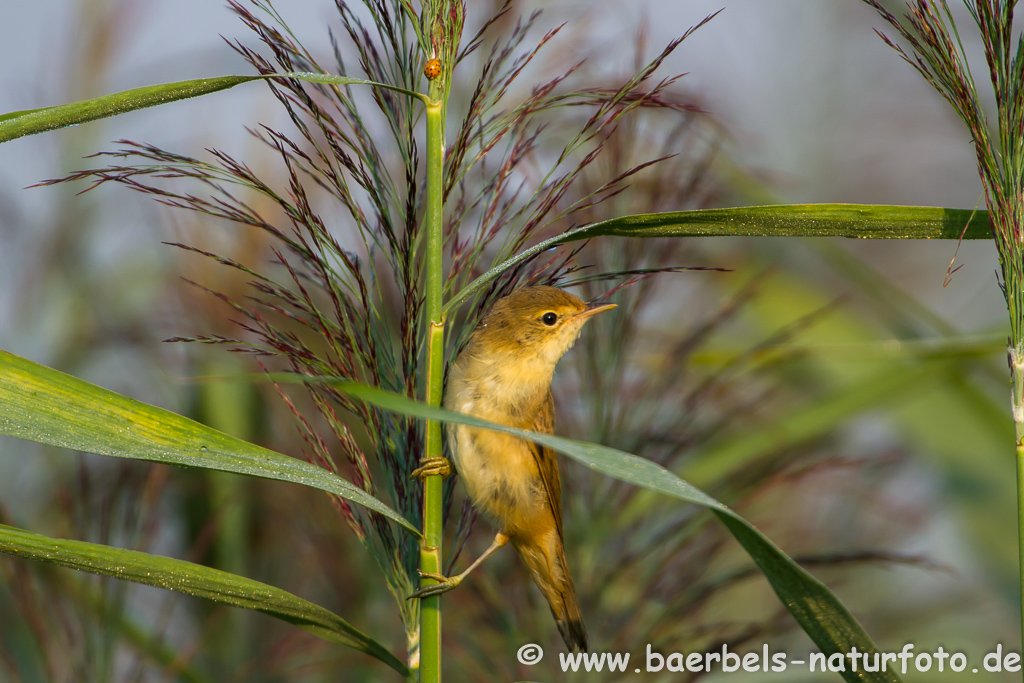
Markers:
(550, 572)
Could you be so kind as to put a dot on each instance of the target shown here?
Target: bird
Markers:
(504, 375)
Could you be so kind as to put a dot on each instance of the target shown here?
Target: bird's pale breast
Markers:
(499, 472)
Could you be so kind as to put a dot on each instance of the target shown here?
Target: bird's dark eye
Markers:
(549, 318)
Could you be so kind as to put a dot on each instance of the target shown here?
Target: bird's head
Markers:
(535, 324)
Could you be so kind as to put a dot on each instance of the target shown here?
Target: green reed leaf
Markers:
(196, 580)
(785, 220)
(31, 121)
(41, 404)
(811, 421)
(818, 611)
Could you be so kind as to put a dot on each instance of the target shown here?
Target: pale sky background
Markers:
(816, 102)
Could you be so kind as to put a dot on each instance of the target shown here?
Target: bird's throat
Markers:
(500, 390)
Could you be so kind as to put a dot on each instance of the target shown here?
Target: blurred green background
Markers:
(834, 392)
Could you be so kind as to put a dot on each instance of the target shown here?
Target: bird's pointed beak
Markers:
(593, 308)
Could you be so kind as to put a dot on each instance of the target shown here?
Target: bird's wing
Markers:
(547, 464)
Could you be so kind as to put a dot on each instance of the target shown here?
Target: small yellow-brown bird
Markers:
(504, 375)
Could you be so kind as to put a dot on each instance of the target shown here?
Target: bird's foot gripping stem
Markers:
(445, 584)
(432, 466)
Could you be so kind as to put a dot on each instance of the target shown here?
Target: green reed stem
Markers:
(230, 407)
(430, 553)
(1016, 354)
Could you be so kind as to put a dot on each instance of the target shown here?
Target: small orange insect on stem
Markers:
(433, 69)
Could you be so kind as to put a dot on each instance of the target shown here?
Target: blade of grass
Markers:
(41, 404)
(784, 220)
(818, 611)
(139, 638)
(963, 347)
(196, 580)
(810, 421)
(31, 121)
(230, 407)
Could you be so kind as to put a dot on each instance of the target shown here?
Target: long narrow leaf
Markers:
(813, 420)
(41, 404)
(28, 122)
(859, 221)
(193, 579)
(818, 611)
(141, 639)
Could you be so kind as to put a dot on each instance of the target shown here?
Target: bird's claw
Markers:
(443, 585)
(432, 466)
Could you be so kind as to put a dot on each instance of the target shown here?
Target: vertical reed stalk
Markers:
(938, 54)
(430, 554)
(228, 407)
(1016, 356)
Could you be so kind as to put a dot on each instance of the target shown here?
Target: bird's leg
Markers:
(431, 466)
(447, 583)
